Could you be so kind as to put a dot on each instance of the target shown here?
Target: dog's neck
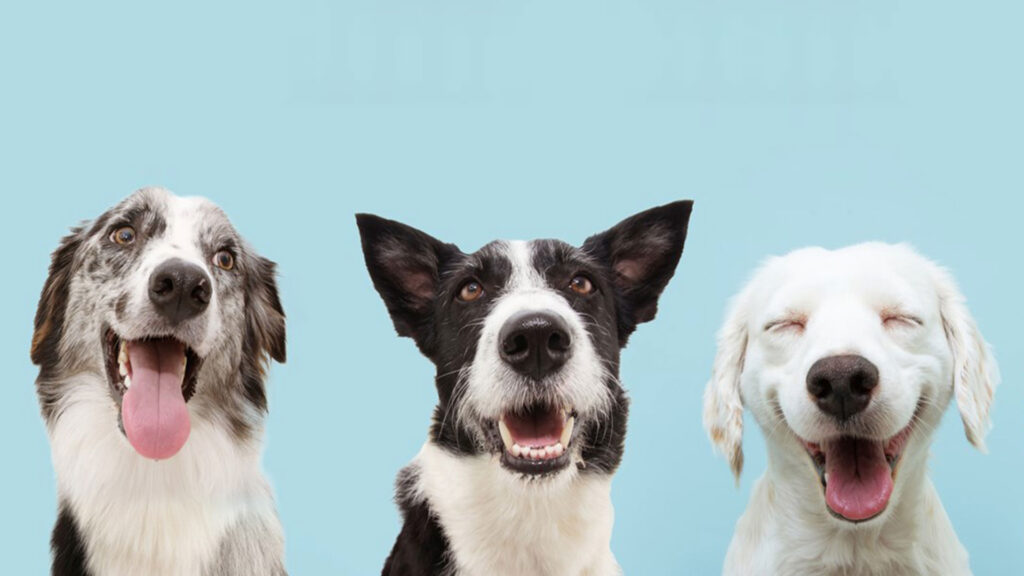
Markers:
(788, 527)
(499, 523)
(117, 497)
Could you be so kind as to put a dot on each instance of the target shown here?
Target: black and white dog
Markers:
(152, 335)
(515, 477)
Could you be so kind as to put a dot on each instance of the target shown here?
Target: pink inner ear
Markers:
(418, 284)
(629, 269)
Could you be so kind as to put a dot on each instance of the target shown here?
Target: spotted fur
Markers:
(208, 510)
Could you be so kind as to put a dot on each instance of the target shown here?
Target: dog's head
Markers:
(847, 359)
(168, 307)
(526, 335)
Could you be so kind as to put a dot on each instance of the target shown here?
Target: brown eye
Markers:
(124, 235)
(471, 291)
(581, 285)
(224, 260)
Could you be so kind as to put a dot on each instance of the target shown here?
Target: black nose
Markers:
(179, 290)
(842, 385)
(535, 344)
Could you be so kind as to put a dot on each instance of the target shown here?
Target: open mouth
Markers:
(152, 379)
(858, 474)
(537, 440)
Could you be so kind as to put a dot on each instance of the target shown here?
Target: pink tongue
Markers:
(859, 478)
(536, 429)
(153, 409)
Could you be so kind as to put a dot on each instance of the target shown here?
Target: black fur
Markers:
(68, 547)
(419, 278)
(421, 548)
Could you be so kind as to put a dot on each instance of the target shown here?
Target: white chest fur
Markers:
(779, 534)
(157, 518)
(497, 523)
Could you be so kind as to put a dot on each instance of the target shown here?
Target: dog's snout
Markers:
(842, 385)
(535, 344)
(179, 290)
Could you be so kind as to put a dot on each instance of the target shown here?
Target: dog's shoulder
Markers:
(421, 548)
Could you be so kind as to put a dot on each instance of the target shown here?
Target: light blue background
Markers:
(790, 123)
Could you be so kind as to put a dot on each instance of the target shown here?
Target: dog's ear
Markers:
(405, 266)
(264, 316)
(723, 403)
(53, 301)
(642, 251)
(975, 372)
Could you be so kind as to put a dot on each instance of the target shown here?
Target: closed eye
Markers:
(900, 320)
(786, 325)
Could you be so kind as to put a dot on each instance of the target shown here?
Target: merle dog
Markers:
(152, 335)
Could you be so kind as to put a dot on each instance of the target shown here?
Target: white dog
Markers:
(847, 360)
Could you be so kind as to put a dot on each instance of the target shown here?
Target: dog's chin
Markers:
(151, 379)
(535, 440)
(858, 474)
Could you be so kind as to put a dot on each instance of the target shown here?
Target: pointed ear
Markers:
(975, 372)
(53, 301)
(405, 265)
(723, 403)
(264, 316)
(643, 251)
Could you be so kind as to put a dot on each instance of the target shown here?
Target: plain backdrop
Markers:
(790, 123)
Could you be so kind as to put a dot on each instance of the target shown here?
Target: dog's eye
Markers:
(581, 285)
(900, 320)
(789, 324)
(224, 260)
(124, 235)
(471, 291)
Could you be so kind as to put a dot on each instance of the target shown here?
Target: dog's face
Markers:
(848, 358)
(526, 335)
(163, 301)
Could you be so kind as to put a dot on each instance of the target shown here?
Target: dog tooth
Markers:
(559, 449)
(516, 450)
(825, 475)
(122, 369)
(549, 450)
(506, 436)
(535, 454)
(127, 382)
(567, 431)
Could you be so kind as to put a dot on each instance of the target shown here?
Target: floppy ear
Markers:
(723, 404)
(53, 301)
(264, 316)
(975, 373)
(404, 264)
(643, 251)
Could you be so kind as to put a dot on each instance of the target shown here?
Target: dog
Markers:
(515, 476)
(152, 337)
(847, 360)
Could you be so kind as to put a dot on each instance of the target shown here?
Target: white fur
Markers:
(492, 387)
(184, 218)
(165, 518)
(498, 523)
(842, 297)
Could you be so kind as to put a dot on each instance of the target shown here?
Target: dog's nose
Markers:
(179, 290)
(535, 344)
(841, 385)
